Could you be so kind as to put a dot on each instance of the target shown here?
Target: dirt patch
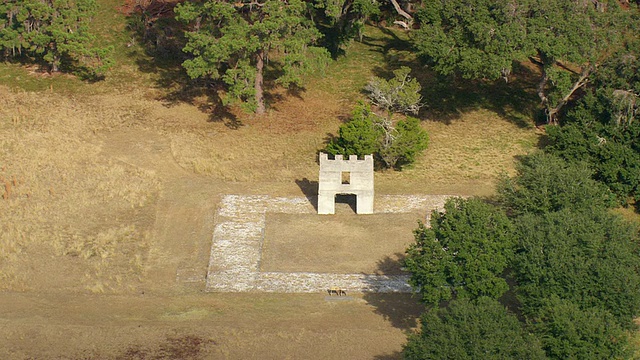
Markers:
(368, 244)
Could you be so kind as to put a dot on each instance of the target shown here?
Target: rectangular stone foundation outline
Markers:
(234, 264)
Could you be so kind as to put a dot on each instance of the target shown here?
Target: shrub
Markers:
(359, 136)
(366, 133)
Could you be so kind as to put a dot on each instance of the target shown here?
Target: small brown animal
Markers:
(336, 290)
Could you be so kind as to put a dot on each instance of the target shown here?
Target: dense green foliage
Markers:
(603, 130)
(588, 256)
(463, 254)
(484, 38)
(367, 133)
(358, 136)
(233, 41)
(546, 183)
(400, 142)
(610, 151)
(568, 331)
(479, 329)
(477, 39)
(574, 265)
(53, 31)
(408, 141)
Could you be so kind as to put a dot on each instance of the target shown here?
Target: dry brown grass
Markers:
(464, 157)
(64, 193)
(281, 146)
(367, 244)
(67, 199)
(471, 151)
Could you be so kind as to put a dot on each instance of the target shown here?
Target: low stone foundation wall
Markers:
(238, 237)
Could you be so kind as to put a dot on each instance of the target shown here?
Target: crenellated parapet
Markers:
(345, 176)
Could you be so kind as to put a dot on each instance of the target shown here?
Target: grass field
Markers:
(111, 190)
(371, 244)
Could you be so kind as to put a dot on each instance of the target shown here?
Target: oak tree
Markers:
(546, 183)
(579, 255)
(603, 129)
(478, 329)
(568, 331)
(483, 38)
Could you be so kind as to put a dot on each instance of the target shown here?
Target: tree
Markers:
(359, 136)
(483, 38)
(54, 31)
(346, 19)
(479, 329)
(546, 183)
(363, 134)
(569, 332)
(463, 254)
(581, 256)
(606, 149)
(603, 129)
(233, 41)
(475, 39)
(408, 140)
(401, 94)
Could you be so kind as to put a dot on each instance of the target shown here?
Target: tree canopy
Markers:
(358, 136)
(478, 329)
(53, 31)
(233, 41)
(603, 129)
(568, 331)
(462, 254)
(546, 183)
(580, 256)
(484, 38)
(346, 19)
(573, 265)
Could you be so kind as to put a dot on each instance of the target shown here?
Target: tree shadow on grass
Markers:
(396, 355)
(162, 42)
(179, 88)
(447, 98)
(402, 310)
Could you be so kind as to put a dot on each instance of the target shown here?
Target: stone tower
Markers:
(341, 176)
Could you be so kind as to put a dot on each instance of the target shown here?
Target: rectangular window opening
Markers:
(346, 177)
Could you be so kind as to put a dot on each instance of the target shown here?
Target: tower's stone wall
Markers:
(360, 182)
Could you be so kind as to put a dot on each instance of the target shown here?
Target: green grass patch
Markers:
(362, 60)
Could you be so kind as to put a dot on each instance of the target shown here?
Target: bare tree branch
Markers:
(400, 11)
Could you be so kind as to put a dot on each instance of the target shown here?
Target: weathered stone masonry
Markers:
(359, 182)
